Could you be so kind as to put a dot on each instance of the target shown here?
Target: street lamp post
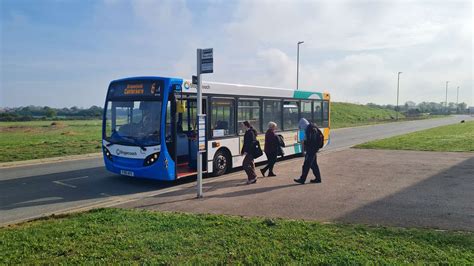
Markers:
(446, 99)
(298, 62)
(457, 100)
(398, 91)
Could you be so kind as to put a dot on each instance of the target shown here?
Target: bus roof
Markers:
(221, 88)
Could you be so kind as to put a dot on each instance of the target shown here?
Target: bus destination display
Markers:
(136, 88)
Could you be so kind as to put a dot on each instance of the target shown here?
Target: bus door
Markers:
(186, 136)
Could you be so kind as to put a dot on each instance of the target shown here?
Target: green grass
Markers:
(455, 138)
(115, 236)
(349, 115)
(40, 139)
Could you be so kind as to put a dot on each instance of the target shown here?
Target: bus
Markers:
(149, 125)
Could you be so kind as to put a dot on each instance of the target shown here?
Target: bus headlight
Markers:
(107, 153)
(151, 159)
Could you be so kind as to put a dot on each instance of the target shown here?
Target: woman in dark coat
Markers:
(248, 163)
(272, 145)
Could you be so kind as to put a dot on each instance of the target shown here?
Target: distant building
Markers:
(471, 110)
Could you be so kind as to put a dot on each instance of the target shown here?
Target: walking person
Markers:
(272, 145)
(248, 164)
(312, 143)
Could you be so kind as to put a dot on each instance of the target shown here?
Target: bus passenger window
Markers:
(272, 113)
(222, 117)
(249, 110)
(306, 111)
(325, 113)
(290, 115)
(318, 113)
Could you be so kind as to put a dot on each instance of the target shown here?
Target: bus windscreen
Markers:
(133, 122)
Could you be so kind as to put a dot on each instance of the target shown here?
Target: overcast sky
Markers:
(65, 52)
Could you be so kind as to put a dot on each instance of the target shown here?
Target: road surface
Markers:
(33, 191)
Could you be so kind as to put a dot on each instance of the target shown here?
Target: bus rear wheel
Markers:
(221, 163)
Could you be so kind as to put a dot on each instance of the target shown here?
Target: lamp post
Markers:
(446, 100)
(457, 100)
(398, 91)
(298, 62)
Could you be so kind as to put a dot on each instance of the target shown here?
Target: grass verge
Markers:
(43, 139)
(349, 115)
(454, 138)
(119, 236)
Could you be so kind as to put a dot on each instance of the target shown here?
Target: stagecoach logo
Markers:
(120, 152)
(187, 85)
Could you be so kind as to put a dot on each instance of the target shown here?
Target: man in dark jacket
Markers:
(247, 150)
(272, 145)
(311, 145)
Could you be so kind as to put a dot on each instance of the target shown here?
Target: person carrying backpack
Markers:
(314, 140)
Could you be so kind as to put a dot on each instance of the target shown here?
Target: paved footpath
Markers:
(396, 188)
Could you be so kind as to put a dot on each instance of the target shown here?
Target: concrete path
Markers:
(395, 188)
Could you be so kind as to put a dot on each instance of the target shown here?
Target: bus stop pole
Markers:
(199, 114)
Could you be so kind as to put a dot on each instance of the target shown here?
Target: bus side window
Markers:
(248, 110)
(306, 111)
(290, 115)
(325, 113)
(272, 113)
(222, 117)
(318, 114)
(168, 121)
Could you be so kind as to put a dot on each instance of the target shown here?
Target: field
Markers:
(115, 236)
(455, 138)
(42, 139)
(349, 115)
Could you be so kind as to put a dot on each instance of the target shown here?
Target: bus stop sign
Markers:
(206, 61)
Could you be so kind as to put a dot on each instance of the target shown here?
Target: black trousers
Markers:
(310, 162)
(272, 158)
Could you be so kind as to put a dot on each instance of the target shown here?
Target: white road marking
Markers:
(40, 200)
(62, 181)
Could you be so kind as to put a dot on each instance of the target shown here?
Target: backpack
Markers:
(314, 138)
(321, 138)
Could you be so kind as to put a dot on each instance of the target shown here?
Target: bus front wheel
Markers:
(221, 163)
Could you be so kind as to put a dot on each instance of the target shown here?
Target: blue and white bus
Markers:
(150, 124)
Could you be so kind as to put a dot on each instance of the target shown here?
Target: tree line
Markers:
(31, 112)
(411, 108)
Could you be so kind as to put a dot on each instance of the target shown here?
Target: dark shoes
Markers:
(315, 180)
(299, 180)
(252, 181)
(263, 173)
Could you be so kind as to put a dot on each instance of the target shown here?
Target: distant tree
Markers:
(462, 107)
(49, 112)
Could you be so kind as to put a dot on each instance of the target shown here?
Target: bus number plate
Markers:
(125, 172)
